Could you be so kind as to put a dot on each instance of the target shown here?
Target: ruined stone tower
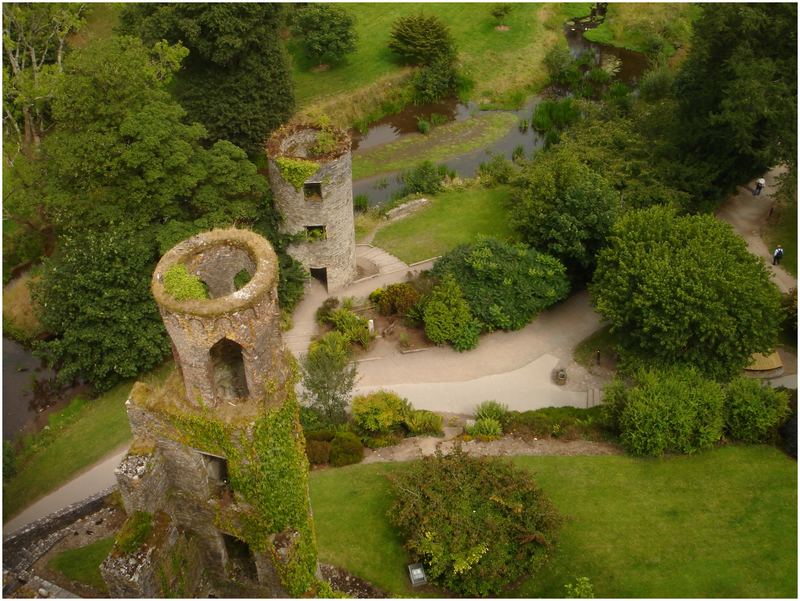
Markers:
(311, 177)
(217, 464)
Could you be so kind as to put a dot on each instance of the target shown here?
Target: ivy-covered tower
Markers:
(311, 177)
(217, 465)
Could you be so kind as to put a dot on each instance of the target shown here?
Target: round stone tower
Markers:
(224, 345)
(311, 177)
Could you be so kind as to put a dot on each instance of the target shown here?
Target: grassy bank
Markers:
(505, 65)
(452, 218)
(644, 27)
(83, 564)
(782, 229)
(99, 427)
(443, 142)
(718, 524)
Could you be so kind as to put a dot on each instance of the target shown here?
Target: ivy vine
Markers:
(296, 171)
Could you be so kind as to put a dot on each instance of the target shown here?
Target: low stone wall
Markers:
(23, 547)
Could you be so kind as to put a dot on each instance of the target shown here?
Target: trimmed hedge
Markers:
(346, 449)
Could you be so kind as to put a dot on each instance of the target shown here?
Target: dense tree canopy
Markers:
(94, 296)
(562, 207)
(326, 31)
(34, 44)
(737, 92)
(236, 80)
(685, 290)
(505, 285)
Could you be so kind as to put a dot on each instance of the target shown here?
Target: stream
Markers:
(380, 188)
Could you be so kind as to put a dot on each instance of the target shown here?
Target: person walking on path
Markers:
(777, 255)
(760, 183)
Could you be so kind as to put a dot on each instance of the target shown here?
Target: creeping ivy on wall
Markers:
(296, 171)
(268, 473)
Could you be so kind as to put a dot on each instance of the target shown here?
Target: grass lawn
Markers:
(443, 142)
(83, 564)
(602, 340)
(505, 65)
(452, 218)
(100, 427)
(636, 25)
(718, 524)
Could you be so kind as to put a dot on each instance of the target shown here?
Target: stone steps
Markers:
(384, 261)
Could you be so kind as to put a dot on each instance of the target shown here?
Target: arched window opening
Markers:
(227, 371)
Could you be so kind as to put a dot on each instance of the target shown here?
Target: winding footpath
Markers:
(514, 368)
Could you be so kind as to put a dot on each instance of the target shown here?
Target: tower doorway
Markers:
(227, 371)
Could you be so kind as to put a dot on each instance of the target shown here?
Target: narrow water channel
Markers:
(380, 188)
(20, 367)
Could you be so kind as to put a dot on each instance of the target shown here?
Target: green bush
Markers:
(492, 409)
(505, 285)
(580, 589)
(323, 314)
(134, 533)
(318, 452)
(486, 427)
(561, 67)
(346, 449)
(397, 299)
(447, 316)
(323, 435)
(325, 143)
(478, 524)
(421, 421)
(328, 377)
(182, 285)
(434, 82)
(568, 423)
(497, 170)
(421, 39)
(656, 83)
(423, 127)
(9, 460)
(241, 279)
(326, 32)
(754, 412)
(379, 412)
(354, 327)
(425, 178)
(674, 410)
(555, 115)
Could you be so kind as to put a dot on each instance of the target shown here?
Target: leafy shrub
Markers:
(478, 524)
(656, 83)
(448, 318)
(320, 435)
(518, 154)
(9, 460)
(580, 589)
(354, 327)
(560, 66)
(788, 430)
(421, 421)
(500, 11)
(397, 299)
(325, 143)
(379, 412)
(346, 449)
(323, 314)
(421, 39)
(361, 203)
(425, 178)
(434, 82)
(182, 285)
(674, 410)
(753, 412)
(134, 533)
(492, 409)
(423, 127)
(486, 427)
(438, 119)
(790, 313)
(505, 285)
(318, 452)
(497, 170)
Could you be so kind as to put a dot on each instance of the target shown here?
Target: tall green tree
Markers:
(564, 208)
(94, 296)
(326, 31)
(737, 93)
(329, 377)
(236, 80)
(34, 44)
(685, 290)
